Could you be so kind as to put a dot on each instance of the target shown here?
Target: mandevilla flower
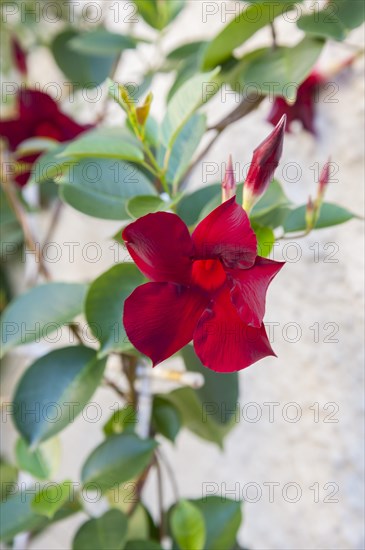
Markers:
(38, 116)
(209, 287)
(303, 109)
(265, 160)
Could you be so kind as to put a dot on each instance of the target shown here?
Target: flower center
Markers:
(208, 274)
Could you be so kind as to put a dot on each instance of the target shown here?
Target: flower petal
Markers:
(15, 132)
(223, 342)
(160, 318)
(248, 289)
(161, 246)
(226, 234)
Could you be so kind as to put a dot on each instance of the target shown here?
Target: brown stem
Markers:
(139, 488)
(129, 364)
(20, 215)
(170, 473)
(274, 37)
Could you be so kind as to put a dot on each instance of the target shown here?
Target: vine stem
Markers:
(20, 215)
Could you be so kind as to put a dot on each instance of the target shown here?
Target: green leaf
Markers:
(39, 312)
(335, 20)
(54, 390)
(49, 166)
(240, 29)
(42, 462)
(265, 239)
(108, 143)
(331, 214)
(142, 545)
(51, 498)
(8, 478)
(101, 187)
(104, 533)
(187, 66)
(144, 204)
(166, 418)
(104, 305)
(190, 207)
(17, 516)
(121, 420)
(188, 526)
(184, 148)
(82, 69)
(223, 518)
(218, 396)
(100, 42)
(194, 93)
(198, 417)
(280, 71)
(159, 13)
(120, 458)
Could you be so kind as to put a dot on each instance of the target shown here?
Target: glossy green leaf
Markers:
(104, 533)
(110, 143)
(50, 166)
(184, 148)
(120, 458)
(187, 66)
(17, 516)
(166, 418)
(223, 518)
(101, 187)
(144, 204)
(39, 312)
(191, 205)
(265, 239)
(104, 305)
(188, 526)
(280, 71)
(335, 20)
(244, 25)
(198, 417)
(331, 214)
(121, 420)
(84, 70)
(158, 13)
(42, 462)
(51, 498)
(194, 93)
(101, 42)
(56, 387)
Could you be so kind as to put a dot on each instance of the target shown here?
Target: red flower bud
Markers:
(323, 181)
(19, 56)
(265, 160)
(229, 182)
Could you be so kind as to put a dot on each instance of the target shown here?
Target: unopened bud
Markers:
(265, 160)
(229, 182)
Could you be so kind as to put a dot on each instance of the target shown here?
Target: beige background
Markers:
(305, 452)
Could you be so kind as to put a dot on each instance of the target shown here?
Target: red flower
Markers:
(303, 108)
(38, 116)
(209, 287)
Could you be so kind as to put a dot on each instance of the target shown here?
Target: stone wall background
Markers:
(307, 292)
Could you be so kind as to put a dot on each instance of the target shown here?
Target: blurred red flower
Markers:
(209, 287)
(38, 116)
(304, 107)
